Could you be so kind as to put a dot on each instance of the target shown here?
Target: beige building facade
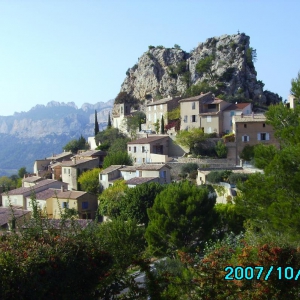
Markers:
(252, 130)
(203, 111)
(156, 109)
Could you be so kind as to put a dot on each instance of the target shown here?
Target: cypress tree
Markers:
(162, 123)
(109, 121)
(96, 124)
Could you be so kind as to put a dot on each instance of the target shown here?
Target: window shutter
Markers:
(243, 138)
(196, 118)
(267, 136)
(258, 136)
(248, 138)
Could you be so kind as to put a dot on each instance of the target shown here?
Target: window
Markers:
(185, 119)
(245, 125)
(263, 136)
(232, 113)
(85, 205)
(194, 118)
(212, 106)
(129, 148)
(194, 105)
(143, 160)
(65, 205)
(209, 130)
(208, 119)
(154, 107)
(143, 149)
(101, 178)
(134, 149)
(140, 174)
(245, 138)
(264, 125)
(163, 174)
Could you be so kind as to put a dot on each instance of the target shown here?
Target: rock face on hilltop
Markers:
(224, 63)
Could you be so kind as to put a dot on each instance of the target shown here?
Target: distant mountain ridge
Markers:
(44, 130)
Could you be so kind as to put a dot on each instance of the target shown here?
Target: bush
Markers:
(189, 167)
(234, 178)
(215, 176)
(221, 149)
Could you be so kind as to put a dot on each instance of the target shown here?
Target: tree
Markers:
(191, 138)
(117, 158)
(247, 153)
(204, 66)
(6, 183)
(263, 155)
(96, 130)
(89, 181)
(295, 89)
(162, 125)
(221, 149)
(285, 122)
(134, 122)
(177, 47)
(156, 126)
(75, 145)
(107, 137)
(136, 201)
(22, 171)
(124, 97)
(182, 216)
(109, 200)
(109, 121)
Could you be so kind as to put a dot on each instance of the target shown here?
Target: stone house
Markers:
(135, 175)
(252, 130)
(203, 111)
(151, 149)
(234, 110)
(156, 109)
(91, 154)
(41, 198)
(72, 169)
(85, 203)
(31, 181)
(18, 197)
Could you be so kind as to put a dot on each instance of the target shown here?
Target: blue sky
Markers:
(80, 50)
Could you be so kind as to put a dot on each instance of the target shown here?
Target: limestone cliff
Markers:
(225, 63)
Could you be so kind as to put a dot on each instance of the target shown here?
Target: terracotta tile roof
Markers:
(32, 179)
(162, 101)
(70, 194)
(6, 214)
(238, 106)
(195, 98)
(46, 194)
(91, 153)
(111, 169)
(26, 190)
(250, 118)
(148, 140)
(155, 167)
(140, 180)
(128, 168)
(58, 156)
(71, 163)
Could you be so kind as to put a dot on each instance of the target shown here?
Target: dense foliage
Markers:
(89, 181)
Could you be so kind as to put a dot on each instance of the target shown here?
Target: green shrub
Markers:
(189, 167)
(221, 149)
(234, 178)
(215, 176)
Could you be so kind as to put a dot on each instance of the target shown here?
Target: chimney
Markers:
(252, 115)
(147, 135)
(242, 115)
(62, 188)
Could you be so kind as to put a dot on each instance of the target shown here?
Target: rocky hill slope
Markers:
(223, 64)
(44, 130)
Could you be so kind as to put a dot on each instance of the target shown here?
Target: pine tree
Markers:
(162, 124)
(96, 124)
(109, 121)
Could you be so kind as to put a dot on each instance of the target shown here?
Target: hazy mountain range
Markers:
(44, 130)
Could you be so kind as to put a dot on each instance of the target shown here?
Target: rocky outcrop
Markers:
(227, 65)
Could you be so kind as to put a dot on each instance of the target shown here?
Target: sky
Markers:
(79, 51)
